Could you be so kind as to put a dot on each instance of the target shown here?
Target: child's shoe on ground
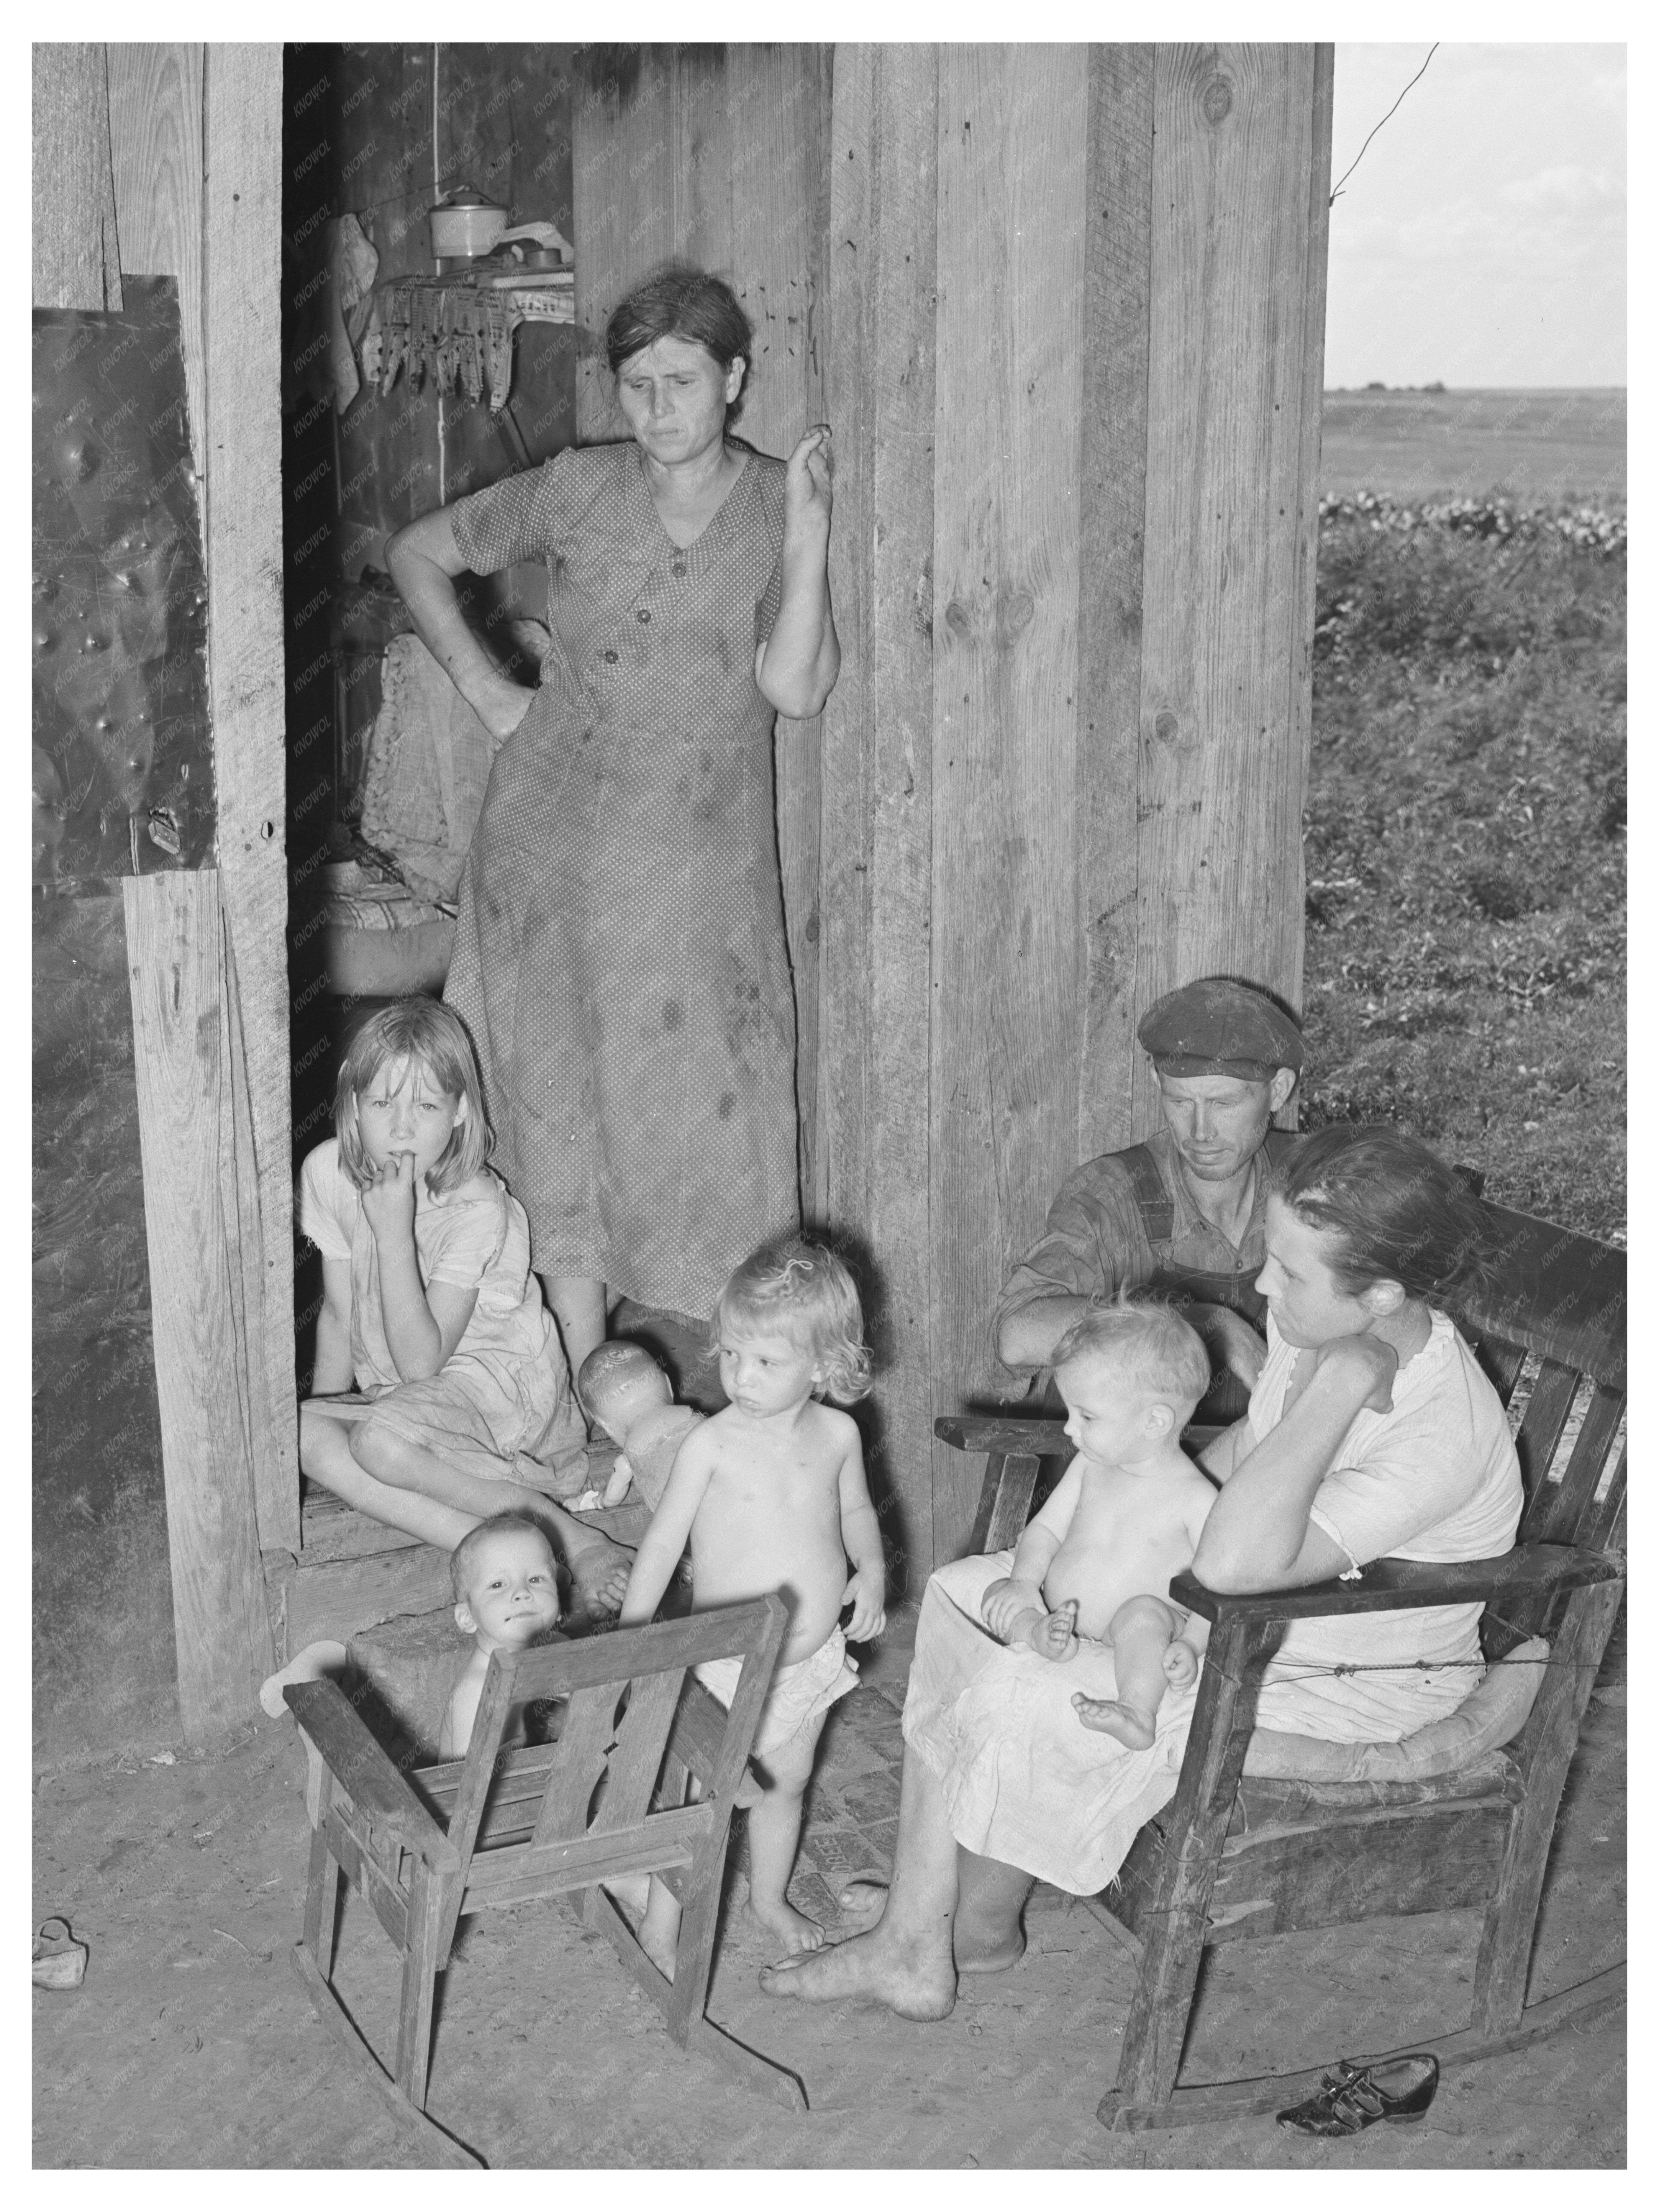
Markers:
(60, 1961)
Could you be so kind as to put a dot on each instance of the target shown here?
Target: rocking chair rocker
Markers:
(607, 1799)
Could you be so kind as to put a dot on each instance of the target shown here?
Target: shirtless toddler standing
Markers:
(770, 1492)
(1123, 1519)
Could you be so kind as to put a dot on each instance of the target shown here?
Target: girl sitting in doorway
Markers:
(429, 1308)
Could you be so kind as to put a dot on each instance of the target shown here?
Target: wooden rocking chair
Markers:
(502, 1828)
(1234, 1856)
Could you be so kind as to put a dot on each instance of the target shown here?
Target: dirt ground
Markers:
(191, 2043)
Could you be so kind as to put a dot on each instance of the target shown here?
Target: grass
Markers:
(1464, 843)
(1543, 448)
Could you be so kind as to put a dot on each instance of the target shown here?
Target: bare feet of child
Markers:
(790, 1930)
(1054, 1637)
(1107, 1716)
(864, 1900)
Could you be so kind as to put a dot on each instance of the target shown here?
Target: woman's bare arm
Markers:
(797, 666)
(424, 560)
(1258, 1535)
(1223, 1454)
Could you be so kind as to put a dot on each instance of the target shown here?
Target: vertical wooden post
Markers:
(1241, 171)
(181, 1031)
(878, 736)
(1117, 277)
(1012, 142)
(208, 215)
(778, 104)
(242, 312)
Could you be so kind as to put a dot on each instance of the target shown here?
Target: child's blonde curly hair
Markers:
(801, 1290)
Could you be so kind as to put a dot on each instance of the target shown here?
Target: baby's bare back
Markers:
(652, 1444)
(770, 1519)
(1132, 1532)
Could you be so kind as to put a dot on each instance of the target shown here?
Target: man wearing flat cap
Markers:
(1182, 1213)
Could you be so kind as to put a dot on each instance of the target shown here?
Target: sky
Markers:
(1481, 241)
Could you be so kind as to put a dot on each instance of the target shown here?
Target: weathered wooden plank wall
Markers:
(1242, 146)
(715, 154)
(202, 1324)
(75, 257)
(1117, 251)
(242, 320)
(1068, 321)
(878, 759)
(181, 214)
(1012, 141)
(190, 147)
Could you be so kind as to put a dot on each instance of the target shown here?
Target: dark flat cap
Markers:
(1219, 1028)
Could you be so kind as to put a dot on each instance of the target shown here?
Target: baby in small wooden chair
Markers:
(507, 1597)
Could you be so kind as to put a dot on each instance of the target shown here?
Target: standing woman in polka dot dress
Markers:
(619, 953)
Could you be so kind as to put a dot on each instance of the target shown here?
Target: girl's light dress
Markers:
(502, 1405)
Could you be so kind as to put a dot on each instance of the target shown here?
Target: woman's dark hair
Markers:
(679, 301)
(1402, 1215)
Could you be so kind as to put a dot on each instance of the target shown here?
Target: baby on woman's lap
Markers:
(1095, 1561)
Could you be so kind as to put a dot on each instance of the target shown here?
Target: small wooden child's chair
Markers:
(502, 1828)
(1258, 1840)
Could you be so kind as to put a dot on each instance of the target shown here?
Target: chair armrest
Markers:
(992, 1433)
(989, 1432)
(365, 1773)
(1396, 1585)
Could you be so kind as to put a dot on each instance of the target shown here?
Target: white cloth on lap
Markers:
(1024, 1781)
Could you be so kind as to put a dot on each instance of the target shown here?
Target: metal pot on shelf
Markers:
(465, 225)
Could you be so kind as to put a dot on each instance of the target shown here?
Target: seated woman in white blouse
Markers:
(1371, 1432)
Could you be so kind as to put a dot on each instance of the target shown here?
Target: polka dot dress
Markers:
(619, 953)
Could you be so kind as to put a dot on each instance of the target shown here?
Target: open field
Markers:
(1540, 447)
(1465, 844)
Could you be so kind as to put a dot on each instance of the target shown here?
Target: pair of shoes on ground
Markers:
(1354, 2097)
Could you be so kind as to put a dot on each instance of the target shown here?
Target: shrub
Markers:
(1464, 839)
